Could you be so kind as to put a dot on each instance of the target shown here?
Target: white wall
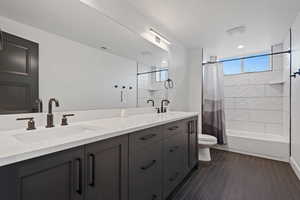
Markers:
(195, 82)
(79, 76)
(295, 138)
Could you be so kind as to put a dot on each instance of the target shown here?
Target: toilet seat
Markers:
(204, 139)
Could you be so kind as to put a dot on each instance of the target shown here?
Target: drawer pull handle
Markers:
(91, 172)
(172, 149)
(149, 165)
(148, 137)
(154, 196)
(174, 177)
(78, 176)
(173, 128)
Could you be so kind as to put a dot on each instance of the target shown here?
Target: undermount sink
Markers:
(43, 135)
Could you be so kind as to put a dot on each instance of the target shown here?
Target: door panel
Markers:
(18, 75)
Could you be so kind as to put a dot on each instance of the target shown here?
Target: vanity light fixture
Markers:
(159, 37)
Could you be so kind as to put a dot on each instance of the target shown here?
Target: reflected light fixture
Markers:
(159, 37)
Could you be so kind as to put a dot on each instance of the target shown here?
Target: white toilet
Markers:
(204, 143)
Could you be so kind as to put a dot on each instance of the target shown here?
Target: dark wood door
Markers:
(58, 176)
(107, 170)
(18, 75)
(193, 142)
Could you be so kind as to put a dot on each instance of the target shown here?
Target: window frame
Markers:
(242, 66)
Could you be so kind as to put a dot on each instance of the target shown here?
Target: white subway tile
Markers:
(245, 126)
(229, 103)
(267, 103)
(235, 80)
(242, 103)
(264, 77)
(266, 116)
(251, 91)
(274, 90)
(274, 129)
(237, 115)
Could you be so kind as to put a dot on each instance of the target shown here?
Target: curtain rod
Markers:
(161, 70)
(256, 56)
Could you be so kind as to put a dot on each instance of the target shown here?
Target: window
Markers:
(161, 76)
(255, 64)
(232, 67)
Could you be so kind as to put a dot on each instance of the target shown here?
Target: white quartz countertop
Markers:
(20, 145)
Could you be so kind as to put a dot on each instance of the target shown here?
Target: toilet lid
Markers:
(204, 137)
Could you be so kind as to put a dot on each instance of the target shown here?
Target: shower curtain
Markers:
(213, 115)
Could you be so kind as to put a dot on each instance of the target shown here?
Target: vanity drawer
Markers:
(146, 137)
(178, 127)
(175, 161)
(146, 173)
(172, 178)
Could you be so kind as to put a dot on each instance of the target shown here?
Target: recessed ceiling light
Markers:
(164, 62)
(240, 46)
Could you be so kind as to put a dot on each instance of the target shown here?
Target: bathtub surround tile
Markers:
(266, 116)
(229, 103)
(270, 103)
(244, 91)
(253, 105)
(232, 80)
(247, 127)
(236, 115)
(276, 129)
(274, 90)
(242, 103)
(264, 77)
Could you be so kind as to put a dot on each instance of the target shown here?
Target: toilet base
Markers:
(204, 154)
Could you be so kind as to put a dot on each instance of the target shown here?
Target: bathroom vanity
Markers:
(139, 157)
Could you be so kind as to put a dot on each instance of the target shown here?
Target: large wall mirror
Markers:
(84, 66)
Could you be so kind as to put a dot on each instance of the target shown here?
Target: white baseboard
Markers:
(295, 167)
(251, 153)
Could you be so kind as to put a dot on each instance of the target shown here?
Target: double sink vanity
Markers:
(132, 157)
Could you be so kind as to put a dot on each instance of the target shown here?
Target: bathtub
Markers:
(269, 146)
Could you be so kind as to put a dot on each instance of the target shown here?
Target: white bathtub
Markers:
(258, 144)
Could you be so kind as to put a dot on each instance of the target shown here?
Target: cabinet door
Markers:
(193, 142)
(107, 169)
(58, 176)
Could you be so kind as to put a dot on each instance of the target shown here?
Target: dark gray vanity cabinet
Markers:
(143, 165)
(146, 164)
(192, 142)
(107, 169)
(57, 176)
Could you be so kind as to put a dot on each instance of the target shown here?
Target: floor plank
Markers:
(232, 176)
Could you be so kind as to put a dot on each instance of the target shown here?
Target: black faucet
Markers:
(151, 100)
(162, 109)
(50, 123)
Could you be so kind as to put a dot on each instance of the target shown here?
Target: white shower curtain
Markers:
(213, 115)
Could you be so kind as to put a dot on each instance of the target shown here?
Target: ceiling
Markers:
(119, 24)
(203, 23)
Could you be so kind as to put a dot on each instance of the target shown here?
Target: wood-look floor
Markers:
(232, 176)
